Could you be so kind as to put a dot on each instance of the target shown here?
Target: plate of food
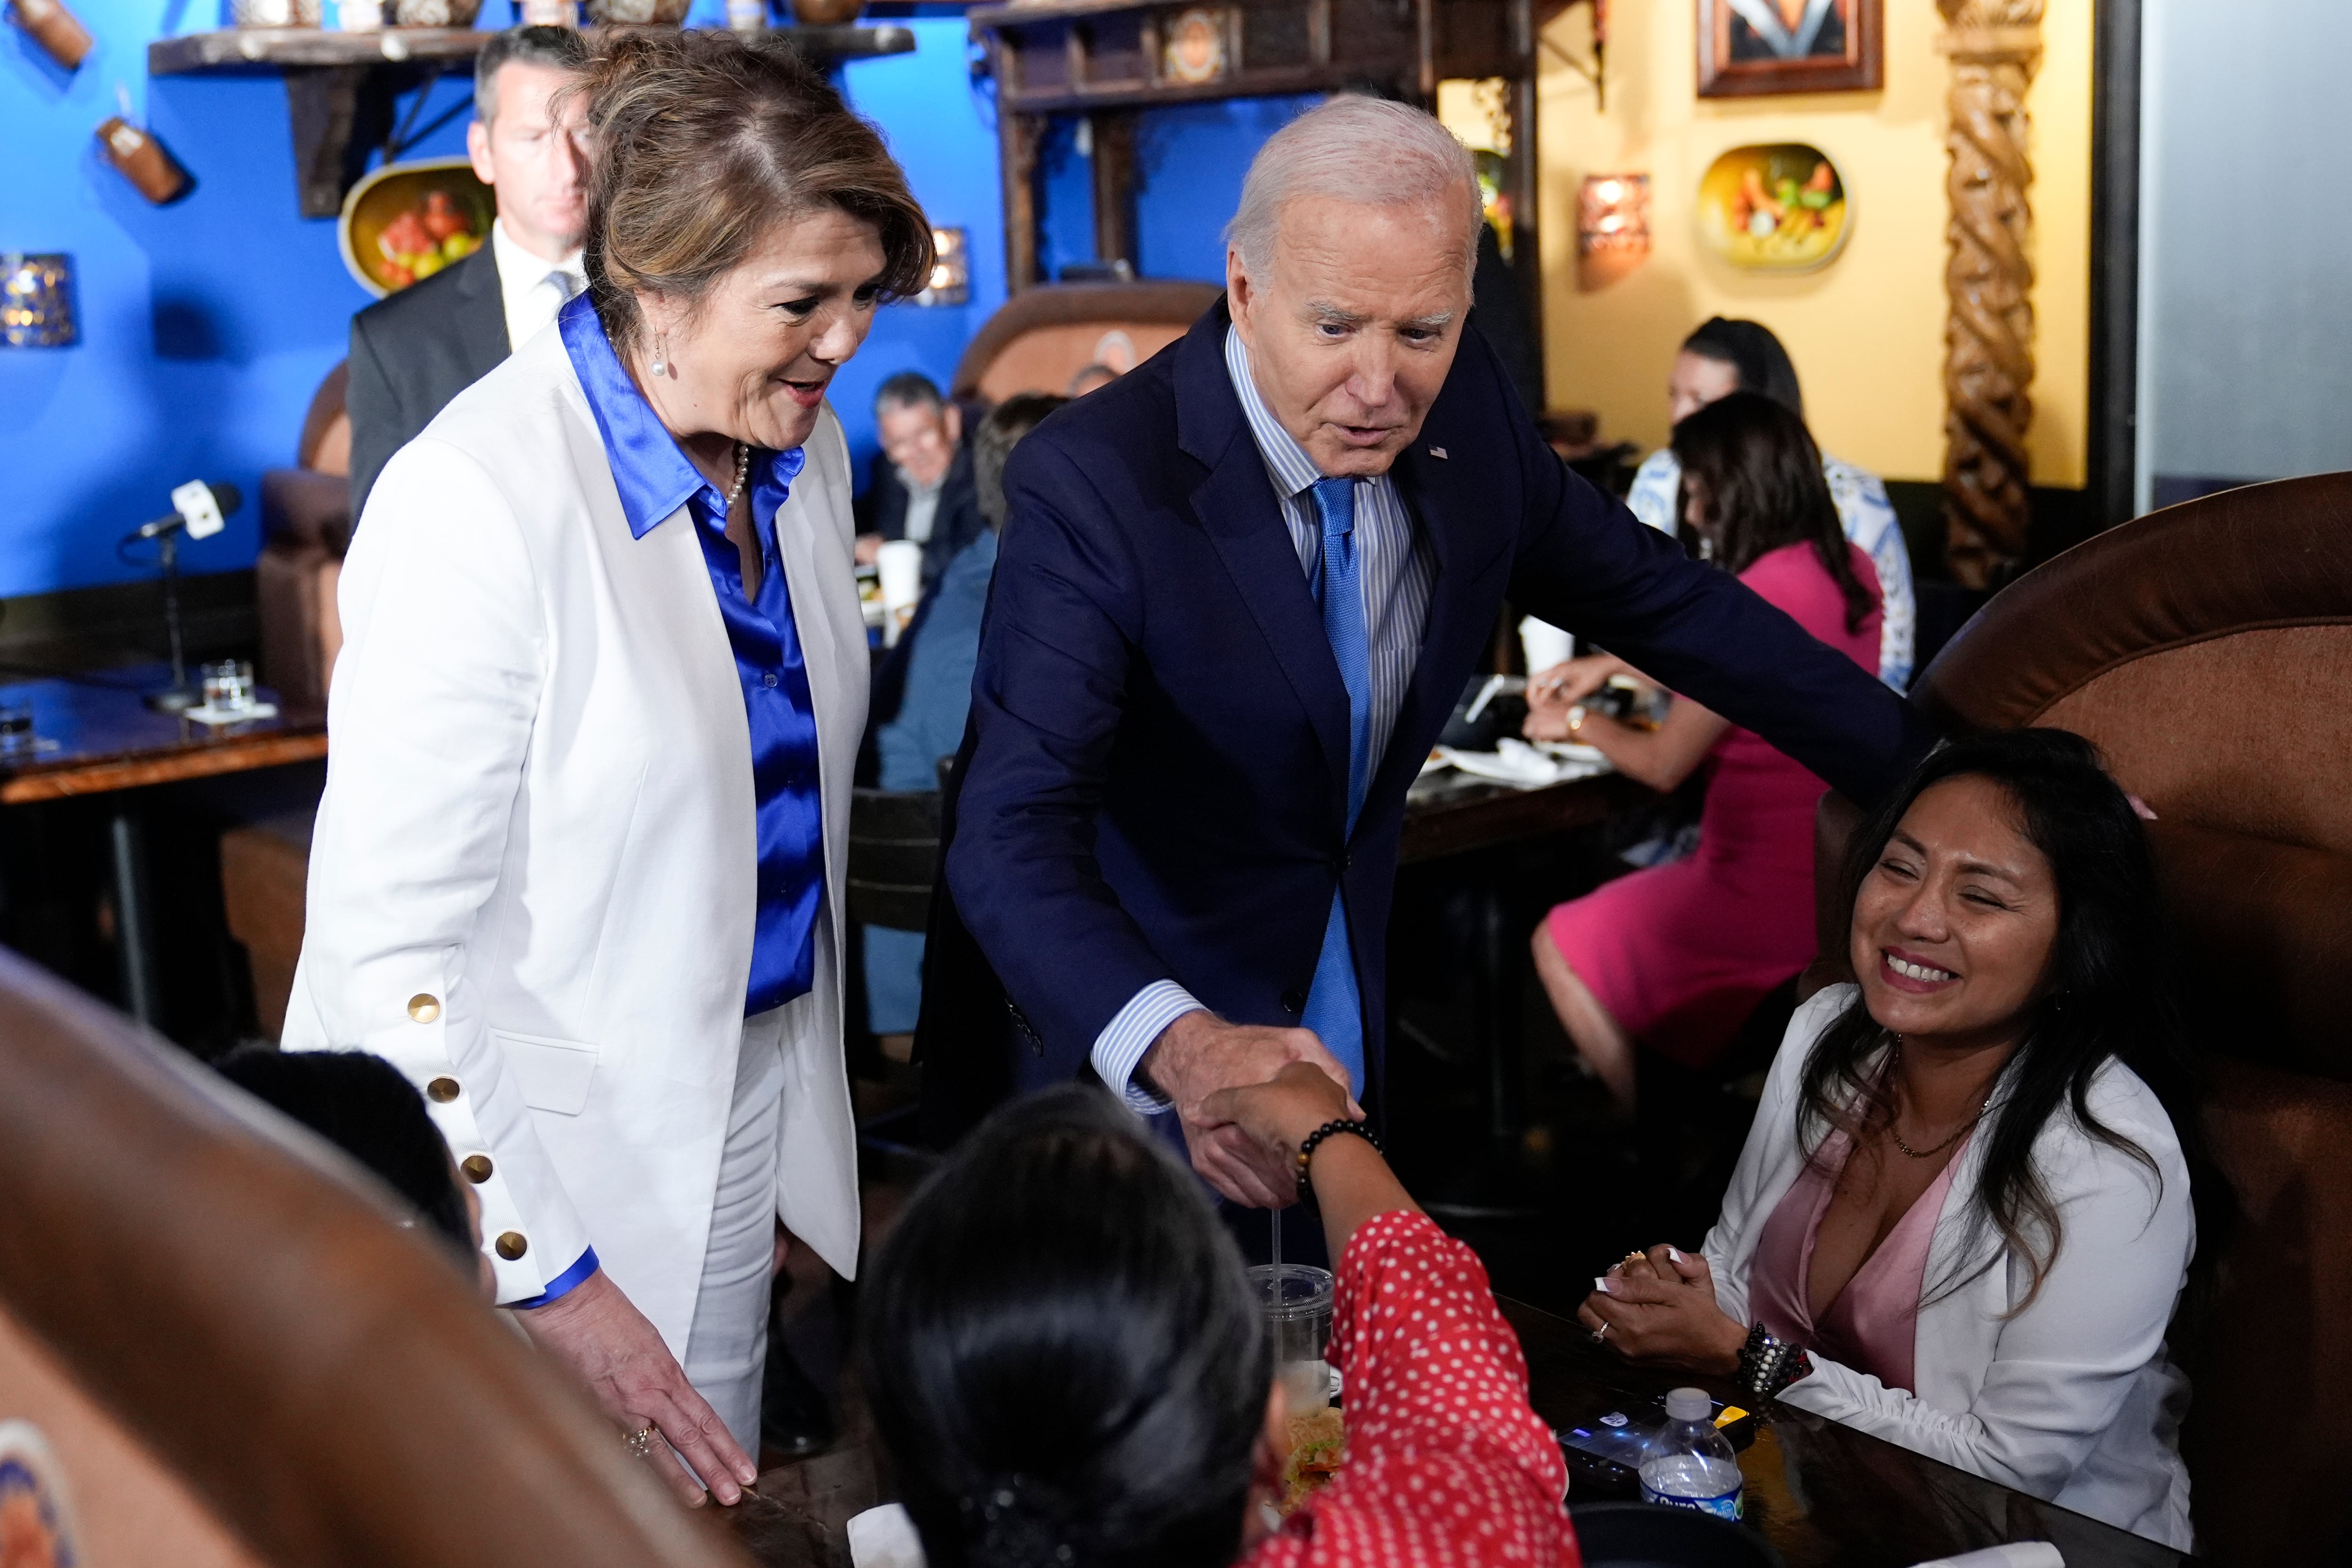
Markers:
(407, 221)
(1318, 1441)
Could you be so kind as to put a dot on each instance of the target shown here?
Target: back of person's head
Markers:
(1757, 474)
(1062, 1352)
(994, 440)
(365, 1106)
(1749, 348)
(2105, 996)
(555, 48)
(909, 389)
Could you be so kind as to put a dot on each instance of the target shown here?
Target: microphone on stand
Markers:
(197, 510)
(196, 507)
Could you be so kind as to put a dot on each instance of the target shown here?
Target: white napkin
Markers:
(2016, 1554)
(885, 1538)
(1514, 761)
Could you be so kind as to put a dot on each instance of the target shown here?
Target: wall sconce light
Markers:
(950, 279)
(1612, 227)
(37, 304)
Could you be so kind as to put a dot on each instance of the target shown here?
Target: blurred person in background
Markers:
(921, 484)
(1726, 356)
(412, 352)
(1090, 378)
(578, 870)
(924, 693)
(1675, 958)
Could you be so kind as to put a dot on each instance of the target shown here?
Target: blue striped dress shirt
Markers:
(1397, 571)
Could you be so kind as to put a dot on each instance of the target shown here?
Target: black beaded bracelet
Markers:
(1768, 1364)
(1308, 1145)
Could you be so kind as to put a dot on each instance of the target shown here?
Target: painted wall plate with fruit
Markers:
(1775, 207)
(407, 221)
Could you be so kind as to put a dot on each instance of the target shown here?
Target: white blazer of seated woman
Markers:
(535, 882)
(2070, 1397)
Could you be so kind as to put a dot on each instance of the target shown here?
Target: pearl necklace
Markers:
(742, 471)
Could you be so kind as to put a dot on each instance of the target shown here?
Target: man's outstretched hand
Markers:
(1200, 1054)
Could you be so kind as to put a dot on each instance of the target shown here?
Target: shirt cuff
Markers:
(562, 1285)
(1121, 1047)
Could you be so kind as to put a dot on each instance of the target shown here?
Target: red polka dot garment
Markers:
(1446, 1463)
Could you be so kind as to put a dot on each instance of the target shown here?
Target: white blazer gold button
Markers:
(476, 1168)
(513, 1246)
(423, 1008)
(444, 1090)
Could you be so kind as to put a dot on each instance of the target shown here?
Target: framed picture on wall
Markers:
(1748, 48)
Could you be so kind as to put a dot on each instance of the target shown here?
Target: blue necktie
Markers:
(1335, 1008)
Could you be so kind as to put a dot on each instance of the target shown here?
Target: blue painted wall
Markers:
(206, 325)
(1189, 162)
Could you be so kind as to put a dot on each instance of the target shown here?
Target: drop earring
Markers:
(660, 366)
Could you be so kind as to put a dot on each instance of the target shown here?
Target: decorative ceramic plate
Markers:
(407, 221)
(37, 1523)
(1778, 208)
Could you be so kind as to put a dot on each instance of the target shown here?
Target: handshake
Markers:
(1244, 1117)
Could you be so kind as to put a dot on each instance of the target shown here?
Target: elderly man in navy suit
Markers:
(1240, 590)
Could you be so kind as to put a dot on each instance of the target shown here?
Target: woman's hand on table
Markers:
(598, 1333)
(1563, 685)
(1658, 1308)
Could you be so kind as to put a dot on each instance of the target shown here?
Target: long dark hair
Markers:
(1759, 476)
(1062, 1352)
(2108, 997)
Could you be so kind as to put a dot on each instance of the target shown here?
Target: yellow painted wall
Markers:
(1867, 330)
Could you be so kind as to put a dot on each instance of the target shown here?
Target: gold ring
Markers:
(640, 1443)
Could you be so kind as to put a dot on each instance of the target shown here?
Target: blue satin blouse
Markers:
(654, 480)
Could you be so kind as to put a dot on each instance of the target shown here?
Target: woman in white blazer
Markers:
(1964, 1215)
(578, 870)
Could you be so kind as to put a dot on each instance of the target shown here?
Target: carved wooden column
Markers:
(1995, 47)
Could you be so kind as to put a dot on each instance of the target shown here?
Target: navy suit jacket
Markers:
(1153, 780)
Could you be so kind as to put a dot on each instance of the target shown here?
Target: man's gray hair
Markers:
(557, 49)
(1355, 149)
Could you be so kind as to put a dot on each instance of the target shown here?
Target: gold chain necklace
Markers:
(1958, 1133)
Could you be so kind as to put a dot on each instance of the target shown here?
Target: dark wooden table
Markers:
(1453, 812)
(1825, 1495)
(97, 736)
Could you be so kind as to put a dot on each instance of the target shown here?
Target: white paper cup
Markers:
(1545, 643)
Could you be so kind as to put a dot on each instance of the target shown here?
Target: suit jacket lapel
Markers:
(1469, 546)
(1237, 509)
(482, 313)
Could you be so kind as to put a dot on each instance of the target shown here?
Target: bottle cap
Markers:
(1689, 1404)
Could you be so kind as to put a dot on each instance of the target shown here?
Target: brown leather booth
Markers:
(1044, 336)
(305, 525)
(237, 1356)
(2208, 650)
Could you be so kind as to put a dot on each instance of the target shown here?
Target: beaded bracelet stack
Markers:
(1308, 1144)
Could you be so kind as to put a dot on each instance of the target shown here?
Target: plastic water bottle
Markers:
(1688, 1463)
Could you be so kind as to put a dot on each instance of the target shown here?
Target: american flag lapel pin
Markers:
(1437, 451)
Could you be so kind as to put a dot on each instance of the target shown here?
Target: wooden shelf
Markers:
(340, 87)
(269, 49)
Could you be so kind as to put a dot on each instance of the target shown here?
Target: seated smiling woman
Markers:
(1069, 1367)
(1963, 1215)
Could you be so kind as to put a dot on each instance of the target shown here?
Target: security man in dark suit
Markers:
(412, 353)
(921, 486)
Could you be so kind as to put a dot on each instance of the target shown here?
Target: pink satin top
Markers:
(1873, 1325)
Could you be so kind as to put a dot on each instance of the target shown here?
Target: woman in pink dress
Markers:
(1675, 958)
